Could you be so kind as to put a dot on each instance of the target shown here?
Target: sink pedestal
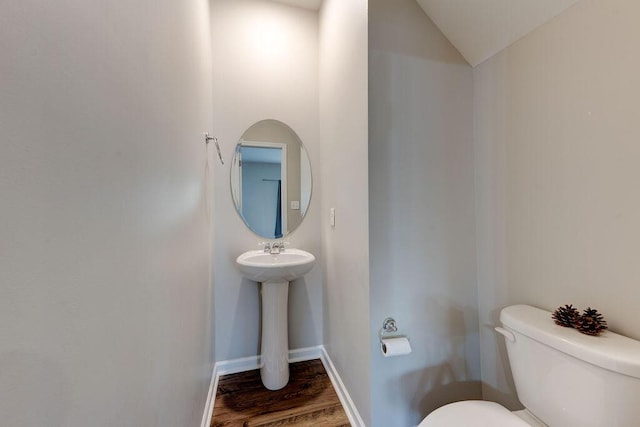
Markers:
(275, 335)
(274, 271)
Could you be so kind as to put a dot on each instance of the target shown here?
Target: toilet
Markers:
(562, 377)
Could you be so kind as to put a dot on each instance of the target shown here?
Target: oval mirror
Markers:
(271, 179)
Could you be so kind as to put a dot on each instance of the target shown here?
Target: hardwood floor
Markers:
(308, 400)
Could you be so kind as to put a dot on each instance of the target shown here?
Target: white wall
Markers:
(556, 130)
(265, 66)
(344, 186)
(104, 229)
(422, 227)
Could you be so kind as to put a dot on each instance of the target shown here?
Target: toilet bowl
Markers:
(603, 371)
(479, 413)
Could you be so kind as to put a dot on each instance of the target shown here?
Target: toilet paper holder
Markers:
(388, 326)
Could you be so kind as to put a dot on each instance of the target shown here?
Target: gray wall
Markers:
(556, 134)
(422, 229)
(266, 67)
(105, 218)
(344, 186)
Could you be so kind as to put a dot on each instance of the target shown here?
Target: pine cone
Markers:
(566, 316)
(591, 322)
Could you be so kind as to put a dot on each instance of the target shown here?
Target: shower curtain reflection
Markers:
(278, 232)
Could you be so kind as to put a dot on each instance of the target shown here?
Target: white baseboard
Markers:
(244, 364)
(211, 397)
(234, 366)
(304, 354)
(341, 390)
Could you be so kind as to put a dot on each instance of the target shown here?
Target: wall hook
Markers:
(208, 138)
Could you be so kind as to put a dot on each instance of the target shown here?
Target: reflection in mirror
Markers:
(271, 179)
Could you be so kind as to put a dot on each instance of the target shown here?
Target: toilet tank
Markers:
(566, 378)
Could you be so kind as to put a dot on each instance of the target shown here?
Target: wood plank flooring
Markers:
(308, 400)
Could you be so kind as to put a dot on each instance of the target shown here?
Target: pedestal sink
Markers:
(275, 271)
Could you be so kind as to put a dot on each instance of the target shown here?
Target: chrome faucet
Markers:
(273, 248)
(276, 248)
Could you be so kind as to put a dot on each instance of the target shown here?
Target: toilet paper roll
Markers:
(396, 346)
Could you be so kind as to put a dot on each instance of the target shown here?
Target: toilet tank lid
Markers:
(609, 351)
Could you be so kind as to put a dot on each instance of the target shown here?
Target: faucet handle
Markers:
(282, 244)
(266, 246)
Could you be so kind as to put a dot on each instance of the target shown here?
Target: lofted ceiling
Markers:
(481, 28)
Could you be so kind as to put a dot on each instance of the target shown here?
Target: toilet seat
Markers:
(475, 413)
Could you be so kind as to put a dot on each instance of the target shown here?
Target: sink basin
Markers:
(261, 266)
